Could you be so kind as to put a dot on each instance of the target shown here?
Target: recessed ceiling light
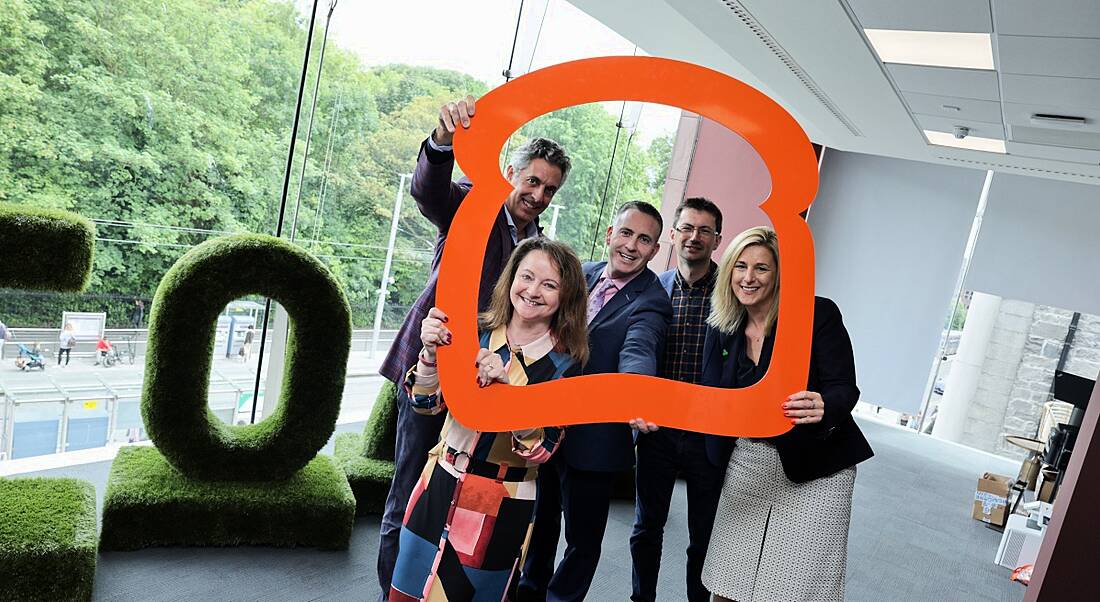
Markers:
(989, 145)
(933, 48)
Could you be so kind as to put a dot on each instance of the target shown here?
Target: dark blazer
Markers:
(808, 451)
(627, 336)
(438, 199)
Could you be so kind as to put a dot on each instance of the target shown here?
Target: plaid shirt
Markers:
(683, 359)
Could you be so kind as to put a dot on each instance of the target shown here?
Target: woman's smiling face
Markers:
(535, 288)
(753, 278)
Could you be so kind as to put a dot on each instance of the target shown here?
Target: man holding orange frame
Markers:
(628, 314)
(536, 171)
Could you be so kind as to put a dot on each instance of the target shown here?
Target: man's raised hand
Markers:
(452, 115)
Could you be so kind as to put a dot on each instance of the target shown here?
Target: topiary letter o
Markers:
(181, 342)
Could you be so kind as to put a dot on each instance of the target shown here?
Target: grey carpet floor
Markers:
(911, 538)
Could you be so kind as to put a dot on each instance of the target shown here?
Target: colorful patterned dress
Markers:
(469, 518)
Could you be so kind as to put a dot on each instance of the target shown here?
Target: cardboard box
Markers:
(991, 499)
(1044, 491)
(1029, 472)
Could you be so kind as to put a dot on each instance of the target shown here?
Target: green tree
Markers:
(587, 132)
(170, 123)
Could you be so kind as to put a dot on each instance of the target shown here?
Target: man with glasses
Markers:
(666, 453)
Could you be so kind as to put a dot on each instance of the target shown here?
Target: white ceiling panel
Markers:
(950, 106)
(978, 84)
(1057, 91)
(1053, 18)
(929, 15)
(947, 124)
(933, 48)
(1049, 137)
(1057, 153)
(1045, 116)
(1065, 57)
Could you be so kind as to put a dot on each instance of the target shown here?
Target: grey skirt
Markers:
(774, 539)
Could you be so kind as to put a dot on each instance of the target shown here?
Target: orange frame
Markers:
(751, 412)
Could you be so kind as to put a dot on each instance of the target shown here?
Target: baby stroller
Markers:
(29, 357)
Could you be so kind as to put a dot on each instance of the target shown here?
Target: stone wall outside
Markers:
(1016, 377)
(986, 413)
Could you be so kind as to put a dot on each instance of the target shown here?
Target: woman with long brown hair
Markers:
(466, 527)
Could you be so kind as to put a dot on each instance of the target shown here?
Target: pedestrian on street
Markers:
(5, 335)
(137, 314)
(66, 342)
(246, 346)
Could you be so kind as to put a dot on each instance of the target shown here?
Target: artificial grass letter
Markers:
(181, 342)
(47, 526)
(208, 483)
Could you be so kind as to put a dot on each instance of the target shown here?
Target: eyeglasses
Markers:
(688, 230)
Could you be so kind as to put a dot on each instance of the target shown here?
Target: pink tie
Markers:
(599, 297)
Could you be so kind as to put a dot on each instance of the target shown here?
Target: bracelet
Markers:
(425, 361)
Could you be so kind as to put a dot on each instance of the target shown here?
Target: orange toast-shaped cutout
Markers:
(751, 412)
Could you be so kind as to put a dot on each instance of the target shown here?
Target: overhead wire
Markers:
(309, 126)
(286, 189)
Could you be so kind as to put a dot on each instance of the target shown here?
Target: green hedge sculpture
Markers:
(47, 539)
(47, 526)
(148, 503)
(209, 483)
(45, 249)
(181, 342)
(367, 458)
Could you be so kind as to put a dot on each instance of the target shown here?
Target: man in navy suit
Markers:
(628, 314)
(667, 453)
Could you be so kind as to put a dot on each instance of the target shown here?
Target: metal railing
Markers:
(86, 397)
(27, 419)
(46, 338)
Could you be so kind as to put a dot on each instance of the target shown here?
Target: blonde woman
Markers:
(466, 526)
(781, 530)
(66, 342)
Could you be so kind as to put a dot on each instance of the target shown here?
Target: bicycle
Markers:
(129, 352)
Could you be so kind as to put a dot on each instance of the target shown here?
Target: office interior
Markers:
(954, 224)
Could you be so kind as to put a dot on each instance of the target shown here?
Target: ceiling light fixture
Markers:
(933, 48)
(989, 145)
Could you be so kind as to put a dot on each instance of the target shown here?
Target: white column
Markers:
(552, 232)
(966, 369)
(383, 290)
(275, 362)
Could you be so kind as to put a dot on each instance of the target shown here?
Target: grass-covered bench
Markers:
(367, 458)
(47, 526)
(47, 539)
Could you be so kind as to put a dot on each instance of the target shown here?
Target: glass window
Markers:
(164, 138)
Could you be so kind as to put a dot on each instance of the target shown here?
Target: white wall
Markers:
(889, 236)
(1040, 242)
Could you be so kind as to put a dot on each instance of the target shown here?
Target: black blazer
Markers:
(808, 451)
(626, 336)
